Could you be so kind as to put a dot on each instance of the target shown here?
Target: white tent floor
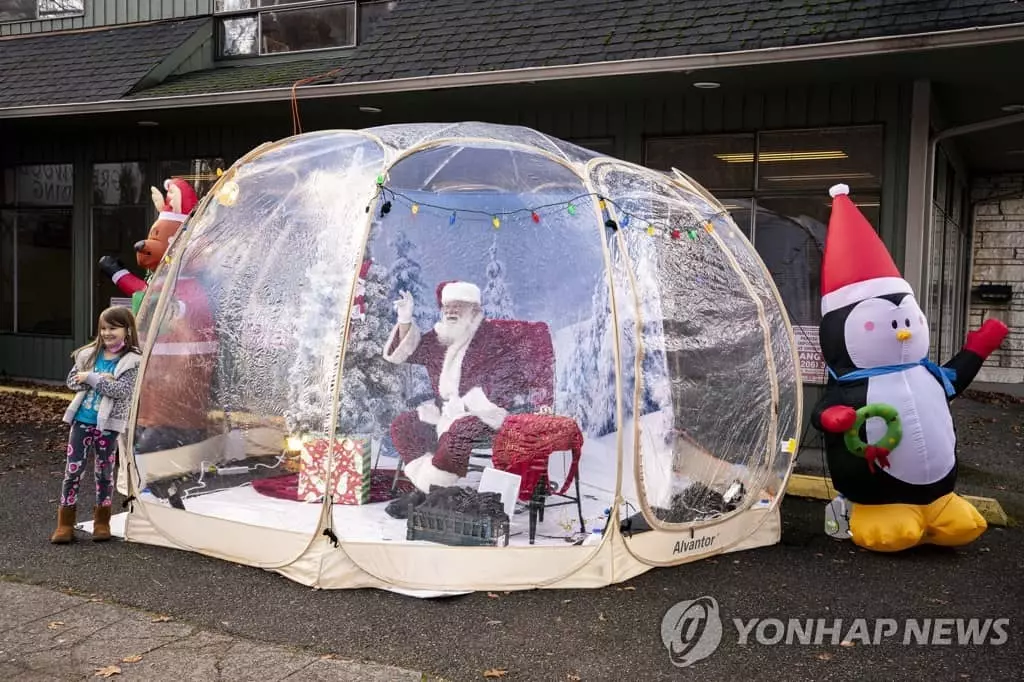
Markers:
(370, 522)
(117, 524)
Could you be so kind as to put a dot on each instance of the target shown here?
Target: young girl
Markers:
(102, 377)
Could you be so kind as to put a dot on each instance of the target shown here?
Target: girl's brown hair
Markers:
(116, 316)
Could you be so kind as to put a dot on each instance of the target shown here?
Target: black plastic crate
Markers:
(457, 528)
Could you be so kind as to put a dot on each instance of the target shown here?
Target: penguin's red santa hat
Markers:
(856, 265)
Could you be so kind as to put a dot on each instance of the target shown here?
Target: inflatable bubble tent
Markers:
(438, 358)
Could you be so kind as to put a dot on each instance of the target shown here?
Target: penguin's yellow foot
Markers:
(952, 521)
(886, 527)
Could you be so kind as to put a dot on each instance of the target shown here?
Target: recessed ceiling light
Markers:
(148, 124)
(707, 85)
(1013, 108)
(370, 110)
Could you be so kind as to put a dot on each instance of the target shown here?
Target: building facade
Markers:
(766, 107)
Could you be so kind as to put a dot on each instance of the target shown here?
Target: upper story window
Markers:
(30, 10)
(248, 28)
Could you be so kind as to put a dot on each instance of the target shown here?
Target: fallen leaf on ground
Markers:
(628, 589)
(108, 671)
(134, 658)
(600, 616)
(846, 643)
(491, 595)
(161, 619)
(566, 601)
(496, 672)
(55, 624)
(572, 677)
(494, 622)
(825, 657)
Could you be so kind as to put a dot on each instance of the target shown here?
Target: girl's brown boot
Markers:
(65, 532)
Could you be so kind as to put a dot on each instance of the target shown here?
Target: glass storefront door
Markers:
(949, 251)
(120, 218)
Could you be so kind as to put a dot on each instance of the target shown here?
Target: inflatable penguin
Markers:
(889, 436)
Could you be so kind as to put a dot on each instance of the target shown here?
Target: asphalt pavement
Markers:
(612, 633)
(231, 622)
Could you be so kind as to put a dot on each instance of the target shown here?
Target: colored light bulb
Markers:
(534, 216)
(415, 209)
(496, 222)
(572, 209)
(451, 219)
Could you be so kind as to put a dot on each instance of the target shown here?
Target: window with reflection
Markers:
(35, 250)
(120, 218)
(775, 187)
(200, 173)
(248, 28)
(31, 10)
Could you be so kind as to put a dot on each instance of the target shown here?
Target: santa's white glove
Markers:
(481, 407)
(404, 306)
(428, 412)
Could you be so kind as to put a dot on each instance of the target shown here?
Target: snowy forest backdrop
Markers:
(537, 272)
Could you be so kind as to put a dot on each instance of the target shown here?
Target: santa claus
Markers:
(478, 378)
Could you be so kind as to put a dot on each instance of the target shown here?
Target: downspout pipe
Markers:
(933, 147)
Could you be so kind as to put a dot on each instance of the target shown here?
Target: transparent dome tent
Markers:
(588, 371)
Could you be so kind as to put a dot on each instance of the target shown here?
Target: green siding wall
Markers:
(36, 357)
(111, 12)
(627, 122)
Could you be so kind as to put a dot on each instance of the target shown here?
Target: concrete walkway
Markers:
(48, 636)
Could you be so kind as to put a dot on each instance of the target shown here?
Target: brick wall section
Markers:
(999, 259)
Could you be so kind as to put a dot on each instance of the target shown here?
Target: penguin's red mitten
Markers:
(838, 418)
(987, 339)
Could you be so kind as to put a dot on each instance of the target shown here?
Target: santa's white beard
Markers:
(451, 331)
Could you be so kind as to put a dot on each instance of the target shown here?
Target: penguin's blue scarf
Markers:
(944, 374)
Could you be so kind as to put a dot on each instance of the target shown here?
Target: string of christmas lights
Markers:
(626, 219)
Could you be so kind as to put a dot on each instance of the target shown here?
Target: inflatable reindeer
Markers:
(172, 211)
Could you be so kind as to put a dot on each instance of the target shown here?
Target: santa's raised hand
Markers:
(404, 307)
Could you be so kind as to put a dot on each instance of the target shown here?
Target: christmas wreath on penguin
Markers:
(889, 437)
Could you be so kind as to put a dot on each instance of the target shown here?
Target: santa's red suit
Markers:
(175, 392)
(478, 381)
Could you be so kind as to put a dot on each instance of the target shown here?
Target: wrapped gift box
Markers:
(349, 480)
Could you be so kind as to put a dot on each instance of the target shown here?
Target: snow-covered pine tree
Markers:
(586, 395)
(371, 388)
(317, 339)
(406, 274)
(496, 298)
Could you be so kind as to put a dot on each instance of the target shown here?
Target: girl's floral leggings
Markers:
(85, 437)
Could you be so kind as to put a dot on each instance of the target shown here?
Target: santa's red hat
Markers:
(466, 292)
(856, 265)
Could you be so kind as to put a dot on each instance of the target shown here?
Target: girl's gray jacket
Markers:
(116, 393)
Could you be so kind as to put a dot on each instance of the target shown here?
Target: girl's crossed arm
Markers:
(107, 385)
(72, 381)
